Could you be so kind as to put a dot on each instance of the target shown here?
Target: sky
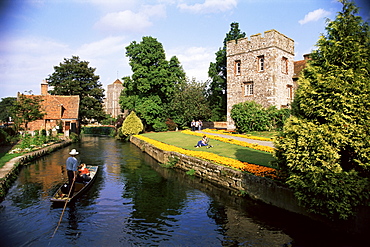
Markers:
(36, 35)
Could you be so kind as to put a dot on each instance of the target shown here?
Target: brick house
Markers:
(61, 112)
(261, 69)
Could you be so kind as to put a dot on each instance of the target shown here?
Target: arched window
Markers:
(238, 65)
(261, 63)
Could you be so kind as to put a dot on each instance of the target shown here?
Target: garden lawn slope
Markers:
(233, 151)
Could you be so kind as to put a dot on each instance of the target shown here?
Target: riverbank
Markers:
(258, 188)
(9, 171)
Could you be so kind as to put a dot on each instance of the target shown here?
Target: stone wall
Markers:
(8, 173)
(258, 188)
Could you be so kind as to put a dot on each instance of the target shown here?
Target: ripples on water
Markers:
(135, 202)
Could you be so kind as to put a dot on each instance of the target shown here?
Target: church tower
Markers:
(112, 106)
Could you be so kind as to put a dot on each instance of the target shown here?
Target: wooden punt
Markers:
(79, 188)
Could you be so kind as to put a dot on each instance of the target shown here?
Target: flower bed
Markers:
(257, 170)
(232, 141)
(232, 133)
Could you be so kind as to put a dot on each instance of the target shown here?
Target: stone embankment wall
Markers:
(8, 173)
(259, 188)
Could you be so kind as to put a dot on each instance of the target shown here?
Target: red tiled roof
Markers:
(60, 107)
(298, 67)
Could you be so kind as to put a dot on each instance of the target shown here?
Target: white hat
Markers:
(73, 152)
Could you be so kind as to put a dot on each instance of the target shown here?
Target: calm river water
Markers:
(135, 202)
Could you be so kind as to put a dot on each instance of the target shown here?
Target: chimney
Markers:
(44, 87)
(307, 56)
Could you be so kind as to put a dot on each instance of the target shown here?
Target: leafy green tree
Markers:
(75, 77)
(189, 103)
(325, 146)
(5, 106)
(153, 84)
(132, 125)
(26, 109)
(218, 73)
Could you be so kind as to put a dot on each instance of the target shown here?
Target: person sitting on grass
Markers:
(203, 142)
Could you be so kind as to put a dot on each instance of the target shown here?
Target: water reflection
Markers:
(135, 202)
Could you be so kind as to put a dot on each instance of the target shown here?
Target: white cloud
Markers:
(108, 57)
(111, 5)
(103, 48)
(130, 21)
(195, 60)
(209, 6)
(314, 16)
(27, 61)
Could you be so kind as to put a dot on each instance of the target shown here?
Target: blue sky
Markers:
(36, 35)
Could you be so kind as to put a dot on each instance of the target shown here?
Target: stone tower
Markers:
(111, 103)
(261, 70)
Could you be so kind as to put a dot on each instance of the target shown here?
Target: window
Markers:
(284, 65)
(261, 63)
(248, 88)
(237, 67)
(289, 91)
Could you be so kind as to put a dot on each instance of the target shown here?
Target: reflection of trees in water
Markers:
(154, 201)
(25, 195)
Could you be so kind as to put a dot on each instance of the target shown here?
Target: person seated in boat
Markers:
(84, 173)
(203, 142)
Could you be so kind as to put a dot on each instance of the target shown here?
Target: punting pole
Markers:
(64, 208)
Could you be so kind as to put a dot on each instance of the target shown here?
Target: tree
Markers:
(26, 109)
(5, 106)
(218, 73)
(153, 84)
(189, 103)
(75, 77)
(325, 145)
(132, 125)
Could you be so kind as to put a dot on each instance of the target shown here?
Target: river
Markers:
(136, 202)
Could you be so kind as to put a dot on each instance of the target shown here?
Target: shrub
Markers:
(132, 125)
(43, 132)
(159, 126)
(250, 116)
(74, 137)
(171, 125)
(3, 136)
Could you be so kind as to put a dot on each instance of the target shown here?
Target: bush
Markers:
(250, 116)
(171, 125)
(3, 136)
(43, 132)
(159, 126)
(132, 125)
(74, 137)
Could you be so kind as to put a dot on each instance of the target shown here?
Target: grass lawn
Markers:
(5, 157)
(244, 154)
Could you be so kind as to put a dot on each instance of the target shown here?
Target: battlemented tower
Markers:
(261, 70)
